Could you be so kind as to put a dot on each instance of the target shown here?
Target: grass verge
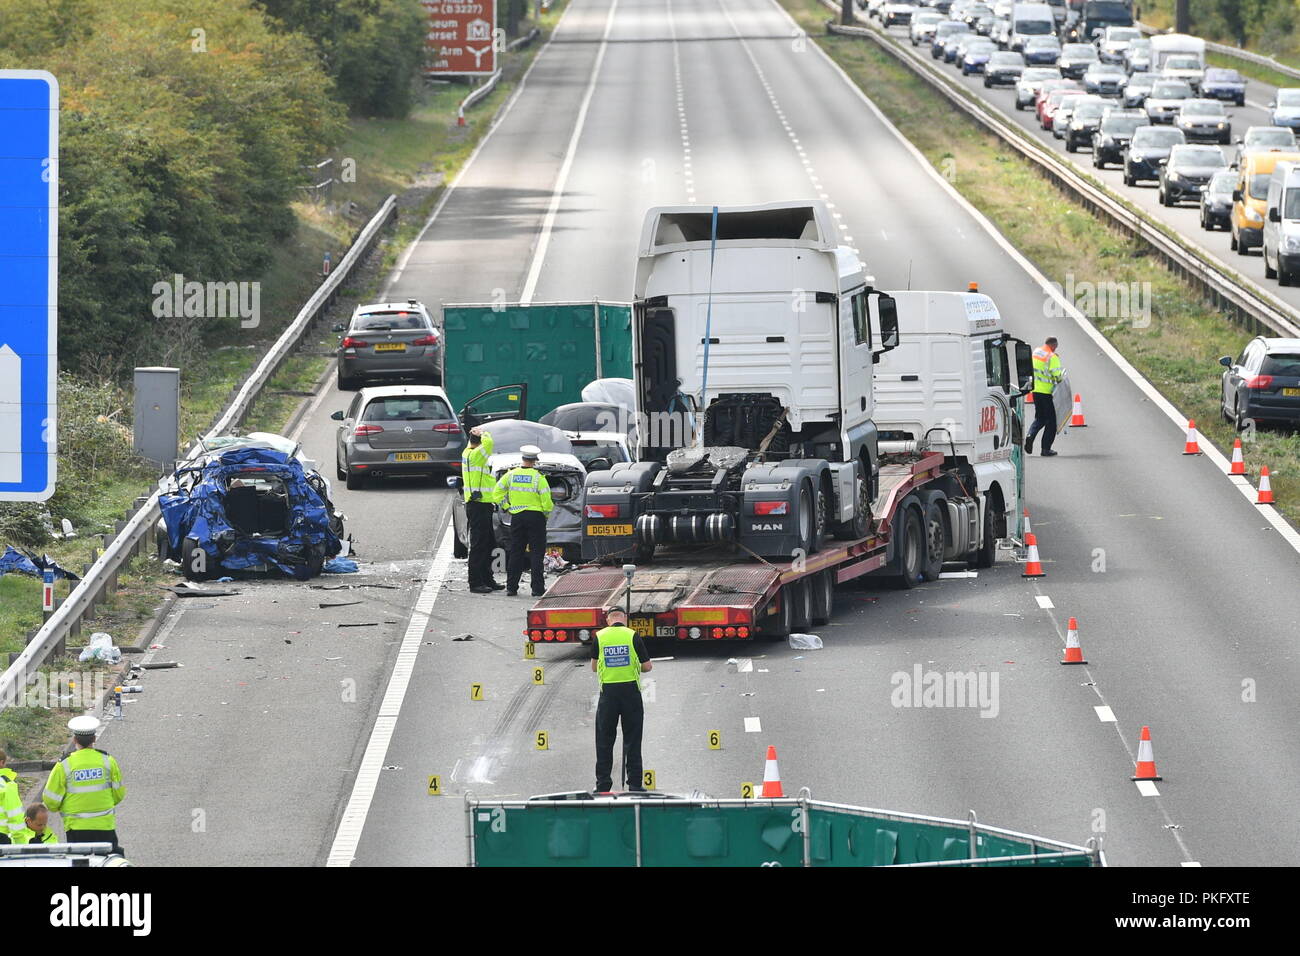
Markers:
(1177, 352)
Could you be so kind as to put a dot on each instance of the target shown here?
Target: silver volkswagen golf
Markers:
(397, 430)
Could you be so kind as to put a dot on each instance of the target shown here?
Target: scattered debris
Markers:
(340, 587)
(805, 642)
(338, 603)
(159, 666)
(333, 658)
(464, 637)
(189, 589)
(341, 566)
(365, 624)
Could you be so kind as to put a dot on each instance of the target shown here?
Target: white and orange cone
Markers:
(1073, 652)
(1146, 762)
(1027, 528)
(1265, 488)
(1033, 567)
(1193, 446)
(771, 775)
(1076, 419)
(460, 115)
(1238, 462)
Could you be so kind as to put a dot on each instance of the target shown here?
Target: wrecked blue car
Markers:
(248, 504)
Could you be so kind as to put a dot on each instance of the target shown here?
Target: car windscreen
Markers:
(1141, 81)
(1182, 63)
(1171, 91)
(1282, 363)
(407, 408)
(1042, 43)
(1122, 34)
(1154, 138)
(588, 450)
(1203, 109)
(1034, 28)
(1079, 51)
(395, 321)
(1223, 183)
(1006, 59)
(1270, 137)
(1122, 125)
(1258, 186)
(943, 29)
(1291, 205)
(1197, 156)
(1086, 112)
(1288, 97)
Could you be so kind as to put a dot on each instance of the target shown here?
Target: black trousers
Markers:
(527, 534)
(478, 515)
(94, 836)
(619, 702)
(1044, 420)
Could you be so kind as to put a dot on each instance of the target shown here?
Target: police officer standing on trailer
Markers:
(86, 787)
(480, 495)
(618, 656)
(1047, 375)
(524, 493)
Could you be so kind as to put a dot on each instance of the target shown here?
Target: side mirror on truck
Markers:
(1024, 366)
(884, 309)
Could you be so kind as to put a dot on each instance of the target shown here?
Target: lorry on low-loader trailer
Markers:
(799, 429)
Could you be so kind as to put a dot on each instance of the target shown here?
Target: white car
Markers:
(1114, 42)
(598, 451)
(1185, 68)
(923, 24)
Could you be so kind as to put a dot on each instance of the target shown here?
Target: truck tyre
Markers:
(988, 551)
(910, 548)
(936, 538)
(807, 520)
(801, 598)
(860, 525)
(823, 603)
(776, 627)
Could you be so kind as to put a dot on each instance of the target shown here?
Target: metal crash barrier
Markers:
(799, 831)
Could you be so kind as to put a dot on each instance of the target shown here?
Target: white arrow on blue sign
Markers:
(29, 277)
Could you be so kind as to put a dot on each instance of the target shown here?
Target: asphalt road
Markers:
(1183, 218)
(718, 101)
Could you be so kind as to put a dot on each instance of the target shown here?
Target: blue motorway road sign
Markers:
(29, 224)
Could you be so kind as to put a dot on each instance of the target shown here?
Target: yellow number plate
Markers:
(391, 347)
(644, 626)
(411, 456)
(609, 529)
(1291, 391)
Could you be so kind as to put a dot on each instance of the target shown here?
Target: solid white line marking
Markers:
(353, 822)
(959, 574)
(1105, 715)
(1189, 863)
(753, 726)
(1147, 788)
(548, 224)
(446, 193)
(1044, 601)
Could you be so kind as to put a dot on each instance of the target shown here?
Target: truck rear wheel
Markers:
(910, 548)
(823, 602)
(776, 627)
(801, 600)
(936, 538)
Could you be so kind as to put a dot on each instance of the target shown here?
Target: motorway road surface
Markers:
(254, 761)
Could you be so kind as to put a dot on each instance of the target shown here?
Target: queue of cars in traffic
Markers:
(1149, 105)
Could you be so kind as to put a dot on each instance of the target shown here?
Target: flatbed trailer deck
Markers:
(725, 593)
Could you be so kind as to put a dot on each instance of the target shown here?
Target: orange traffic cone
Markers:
(1193, 446)
(1029, 398)
(1073, 652)
(1027, 528)
(460, 116)
(1033, 568)
(1265, 488)
(771, 775)
(1238, 462)
(1146, 762)
(1076, 419)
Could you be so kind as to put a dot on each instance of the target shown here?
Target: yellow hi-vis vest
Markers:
(85, 787)
(11, 803)
(28, 835)
(474, 472)
(616, 660)
(524, 489)
(1047, 370)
